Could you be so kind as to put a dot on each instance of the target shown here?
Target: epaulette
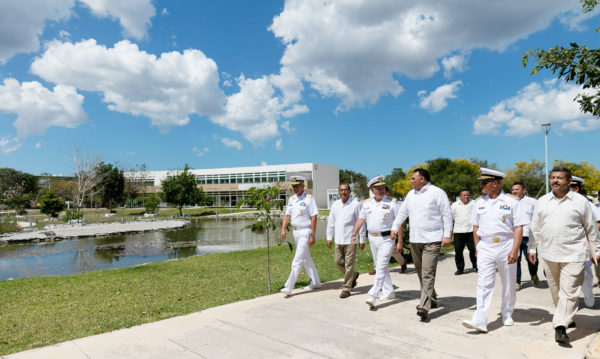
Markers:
(478, 198)
(367, 200)
(308, 195)
(512, 196)
(394, 199)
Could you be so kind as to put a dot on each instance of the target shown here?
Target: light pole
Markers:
(546, 129)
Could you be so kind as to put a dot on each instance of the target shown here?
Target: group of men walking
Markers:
(497, 229)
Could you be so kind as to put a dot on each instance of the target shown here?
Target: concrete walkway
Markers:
(318, 324)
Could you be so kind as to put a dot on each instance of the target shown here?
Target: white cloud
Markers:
(357, 50)
(38, 145)
(455, 63)
(164, 11)
(23, 21)
(133, 15)
(522, 115)
(8, 145)
(437, 100)
(200, 152)
(232, 143)
(38, 108)
(278, 145)
(166, 89)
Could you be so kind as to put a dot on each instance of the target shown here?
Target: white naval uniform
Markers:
(301, 209)
(496, 219)
(379, 217)
(588, 280)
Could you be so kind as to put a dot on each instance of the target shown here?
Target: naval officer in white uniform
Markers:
(302, 212)
(379, 213)
(497, 231)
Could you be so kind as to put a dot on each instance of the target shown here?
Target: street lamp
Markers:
(546, 129)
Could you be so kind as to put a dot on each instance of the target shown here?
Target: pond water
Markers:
(203, 236)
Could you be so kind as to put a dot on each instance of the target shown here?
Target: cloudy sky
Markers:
(367, 85)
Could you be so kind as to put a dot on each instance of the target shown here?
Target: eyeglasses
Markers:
(485, 181)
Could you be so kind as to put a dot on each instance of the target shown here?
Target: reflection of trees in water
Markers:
(83, 261)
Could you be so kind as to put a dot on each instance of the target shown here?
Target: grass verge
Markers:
(41, 311)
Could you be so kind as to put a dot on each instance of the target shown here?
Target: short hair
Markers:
(387, 189)
(583, 192)
(423, 172)
(518, 183)
(562, 169)
(345, 184)
(464, 190)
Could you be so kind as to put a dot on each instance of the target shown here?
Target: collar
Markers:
(347, 202)
(569, 196)
(302, 195)
(424, 188)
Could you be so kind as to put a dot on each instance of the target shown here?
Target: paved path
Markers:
(318, 324)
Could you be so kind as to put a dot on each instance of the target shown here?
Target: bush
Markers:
(50, 204)
(151, 203)
(71, 214)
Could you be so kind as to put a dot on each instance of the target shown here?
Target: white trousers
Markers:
(302, 258)
(588, 282)
(492, 256)
(381, 247)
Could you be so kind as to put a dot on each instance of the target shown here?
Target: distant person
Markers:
(526, 205)
(302, 212)
(430, 222)
(342, 218)
(397, 254)
(378, 213)
(563, 227)
(497, 230)
(463, 231)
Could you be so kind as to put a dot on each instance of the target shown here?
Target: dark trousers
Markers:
(460, 239)
(532, 267)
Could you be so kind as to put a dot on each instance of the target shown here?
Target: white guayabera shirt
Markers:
(341, 220)
(563, 228)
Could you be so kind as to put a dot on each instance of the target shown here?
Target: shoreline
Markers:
(67, 231)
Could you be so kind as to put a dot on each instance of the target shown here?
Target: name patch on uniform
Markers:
(385, 206)
(481, 207)
(505, 207)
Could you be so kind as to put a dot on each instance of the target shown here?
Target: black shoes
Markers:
(560, 334)
(459, 272)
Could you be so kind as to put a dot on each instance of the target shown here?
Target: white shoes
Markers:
(287, 292)
(312, 286)
(371, 303)
(474, 325)
(390, 296)
(508, 321)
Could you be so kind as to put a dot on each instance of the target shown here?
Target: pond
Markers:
(80, 255)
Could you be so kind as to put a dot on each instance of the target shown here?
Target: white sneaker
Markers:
(588, 296)
(473, 325)
(390, 296)
(508, 321)
(312, 286)
(371, 303)
(287, 292)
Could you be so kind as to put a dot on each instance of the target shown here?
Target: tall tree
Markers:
(111, 185)
(576, 64)
(531, 174)
(17, 188)
(396, 175)
(358, 182)
(180, 188)
(585, 170)
(86, 174)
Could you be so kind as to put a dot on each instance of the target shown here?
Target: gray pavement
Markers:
(318, 324)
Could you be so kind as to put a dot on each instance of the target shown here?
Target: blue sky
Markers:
(367, 85)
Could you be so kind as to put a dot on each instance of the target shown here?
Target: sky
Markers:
(366, 85)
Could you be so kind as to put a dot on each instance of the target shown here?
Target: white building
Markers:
(227, 185)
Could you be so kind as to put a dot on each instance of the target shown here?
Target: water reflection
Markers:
(96, 253)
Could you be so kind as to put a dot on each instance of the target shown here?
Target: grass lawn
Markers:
(41, 311)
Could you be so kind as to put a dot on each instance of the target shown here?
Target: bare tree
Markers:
(135, 182)
(86, 174)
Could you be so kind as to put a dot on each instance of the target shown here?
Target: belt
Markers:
(297, 228)
(497, 239)
(382, 234)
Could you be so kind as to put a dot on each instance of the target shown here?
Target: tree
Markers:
(86, 174)
(531, 174)
(151, 202)
(264, 199)
(135, 183)
(585, 170)
(180, 188)
(111, 184)
(358, 180)
(576, 64)
(396, 175)
(17, 188)
(50, 204)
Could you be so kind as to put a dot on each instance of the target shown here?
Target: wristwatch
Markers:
(312, 234)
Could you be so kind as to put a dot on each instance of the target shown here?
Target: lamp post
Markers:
(546, 129)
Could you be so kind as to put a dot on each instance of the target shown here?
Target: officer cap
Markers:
(376, 181)
(487, 173)
(297, 179)
(577, 180)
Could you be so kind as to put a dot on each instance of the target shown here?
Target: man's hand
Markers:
(361, 246)
(513, 256)
(446, 242)
(532, 258)
(399, 246)
(311, 240)
(393, 235)
(283, 233)
(353, 240)
(329, 244)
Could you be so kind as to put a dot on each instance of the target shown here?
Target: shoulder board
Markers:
(394, 199)
(478, 198)
(308, 195)
(367, 200)
(512, 196)
(294, 196)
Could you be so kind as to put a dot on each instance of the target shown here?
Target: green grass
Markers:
(42, 311)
